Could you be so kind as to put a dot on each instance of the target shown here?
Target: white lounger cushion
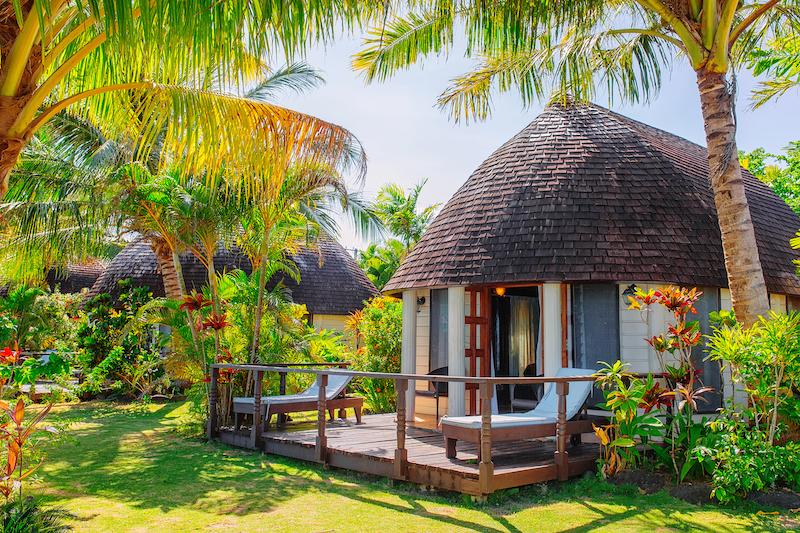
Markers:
(336, 384)
(546, 411)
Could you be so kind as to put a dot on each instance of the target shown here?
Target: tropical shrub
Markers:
(745, 462)
(625, 396)
(117, 350)
(765, 360)
(380, 326)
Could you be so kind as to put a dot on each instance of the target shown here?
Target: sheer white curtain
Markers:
(524, 333)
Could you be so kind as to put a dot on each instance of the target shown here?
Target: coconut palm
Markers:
(571, 47)
(398, 211)
(781, 62)
(152, 59)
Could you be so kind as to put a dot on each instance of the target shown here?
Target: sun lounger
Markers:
(305, 401)
(536, 423)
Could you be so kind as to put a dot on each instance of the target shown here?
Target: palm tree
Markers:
(781, 61)
(572, 45)
(152, 59)
(398, 211)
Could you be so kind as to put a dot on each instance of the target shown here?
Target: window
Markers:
(438, 332)
(711, 375)
(595, 326)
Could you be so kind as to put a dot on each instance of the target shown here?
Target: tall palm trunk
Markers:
(212, 283)
(176, 260)
(262, 282)
(745, 277)
(169, 273)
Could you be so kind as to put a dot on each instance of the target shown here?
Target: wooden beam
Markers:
(564, 302)
(212, 404)
(401, 454)
(255, 430)
(486, 466)
(561, 456)
(322, 440)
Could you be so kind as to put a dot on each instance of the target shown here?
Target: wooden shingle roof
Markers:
(331, 282)
(335, 287)
(138, 262)
(77, 276)
(584, 194)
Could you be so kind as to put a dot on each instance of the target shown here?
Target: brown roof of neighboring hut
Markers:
(335, 287)
(585, 194)
(76, 277)
(331, 282)
(137, 261)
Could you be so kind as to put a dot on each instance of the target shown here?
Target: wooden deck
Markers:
(371, 447)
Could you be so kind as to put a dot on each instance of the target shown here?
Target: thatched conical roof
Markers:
(331, 282)
(138, 262)
(76, 276)
(585, 194)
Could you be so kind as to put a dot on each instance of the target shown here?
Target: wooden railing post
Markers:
(561, 456)
(255, 431)
(401, 454)
(282, 392)
(320, 454)
(486, 466)
(213, 396)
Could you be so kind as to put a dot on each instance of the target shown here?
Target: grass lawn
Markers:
(133, 469)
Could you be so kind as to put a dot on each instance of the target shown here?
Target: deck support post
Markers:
(255, 430)
(486, 466)
(561, 456)
(401, 453)
(282, 392)
(213, 396)
(320, 454)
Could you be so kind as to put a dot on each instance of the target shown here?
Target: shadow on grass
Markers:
(137, 455)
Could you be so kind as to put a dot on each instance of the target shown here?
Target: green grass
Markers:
(133, 469)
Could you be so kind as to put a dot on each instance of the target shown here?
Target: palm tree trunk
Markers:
(212, 283)
(745, 277)
(262, 281)
(176, 260)
(172, 282)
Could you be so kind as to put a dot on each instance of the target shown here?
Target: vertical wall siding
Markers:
(777, 303)
(423, 337)
(634, 349)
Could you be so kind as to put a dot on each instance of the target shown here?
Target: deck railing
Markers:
(485, 388)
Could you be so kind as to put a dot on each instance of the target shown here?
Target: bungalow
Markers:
(528, 267)
(331, 284)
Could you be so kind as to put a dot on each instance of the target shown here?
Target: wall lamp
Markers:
(420, 303)
(500, 291)
(628, 293)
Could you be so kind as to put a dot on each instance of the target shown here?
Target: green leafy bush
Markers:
(380, 326)
(745, 463)
(765, 360)
(118, 350)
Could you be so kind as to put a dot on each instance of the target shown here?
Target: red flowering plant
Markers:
(682, 336)
(683, 434)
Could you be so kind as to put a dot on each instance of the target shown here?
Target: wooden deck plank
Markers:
(370, 447)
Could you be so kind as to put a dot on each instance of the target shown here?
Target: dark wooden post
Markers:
(320, 454)
(401, 454)
(213, 395)
(486, 466)
(282, 392)
(255, 431)
(561, 456)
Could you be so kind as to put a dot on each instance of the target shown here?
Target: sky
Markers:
(408, 139)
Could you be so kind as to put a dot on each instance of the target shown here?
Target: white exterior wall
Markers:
(456, 361)
(551, 328)
(408, 351)
(634, 349)
(777, 303)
